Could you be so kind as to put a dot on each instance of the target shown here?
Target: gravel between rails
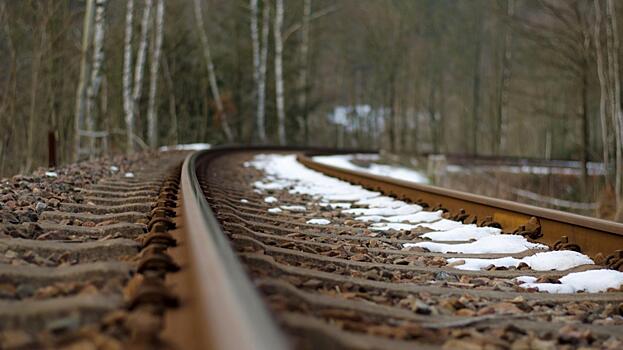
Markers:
(76, 258)
(345, 286)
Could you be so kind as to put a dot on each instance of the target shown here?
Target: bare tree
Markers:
(617, 117)
(303, 62)
(505, 79)
(128, 106)
(211, 71)
(279, 93)
(152, 113)
(139, 67)
(260, 54)
(603, 95)
(84, 69)
(98, 60)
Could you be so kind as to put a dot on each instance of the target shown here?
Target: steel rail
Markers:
(594, 235)
(231, 310)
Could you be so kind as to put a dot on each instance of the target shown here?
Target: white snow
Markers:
(544, 261)
(298, 208)
(383, 226)
(443, 225)
(397, 172)
(186, 147)
(591, 281)
(496, 244)
(274, 210)
(51, 174)
(284, 171)
(128, 175)
(381, 202)
(318, 221)
(270, 199)
(387, 211)
(244, 201)
(463, 233)
(114, 168)
(420, 217)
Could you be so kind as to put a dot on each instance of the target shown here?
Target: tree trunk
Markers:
(303, 61)
(617, 114)
(255, 45)
(615, 104)
(139, 67)
(216, 95)
(476, 87)
(279, 93)
(127, 77)
(152, 112)
(505, 82)
(603, 91)
(96, 78)
(84, 69)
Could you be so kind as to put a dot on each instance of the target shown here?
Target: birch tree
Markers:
(152, 113)
(302, 81)
(279, 93)
(260, 55)
(603, 90)
(505, 80)
(211, 72)
(84, 71)
(139, 68)
(128, 105)
(617, 117)
(98, 60)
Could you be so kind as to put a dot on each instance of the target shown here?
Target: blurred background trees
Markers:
(529, 78)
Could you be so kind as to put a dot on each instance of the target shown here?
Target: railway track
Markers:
(237, 250)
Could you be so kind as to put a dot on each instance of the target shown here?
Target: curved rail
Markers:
(229, 303)
(593, 235)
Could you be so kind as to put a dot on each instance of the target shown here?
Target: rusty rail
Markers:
(595, 236)
(225, 303)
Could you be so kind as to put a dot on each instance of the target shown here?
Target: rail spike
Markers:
(531, 229)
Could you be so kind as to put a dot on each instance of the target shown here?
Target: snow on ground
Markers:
(186, 147)
(463, 233)
(497, 244)
(318, 221)
(545, 261)
(128, 175)
(396, 172)
(244, 201)
(51, 174)
(270, 199)
(591, 281)
(385, 213)
(417, 218)
(114, 169)
(299, 208)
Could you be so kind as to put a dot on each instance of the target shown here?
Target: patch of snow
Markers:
(420, 217)
(270, 199)
(298, 208)
(318, 221)
(186, 147)
(391, 226)
(244, 201)
(591, 281)
(275, 210)
(545, 261)
(114, 169)
(51, 174)
(497, 244)
(128, 175)
(443, 225)
(463, 233)
(381, 202)
(396, 172)
(386, 211)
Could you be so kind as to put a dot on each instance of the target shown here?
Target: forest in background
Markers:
(529, 78)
